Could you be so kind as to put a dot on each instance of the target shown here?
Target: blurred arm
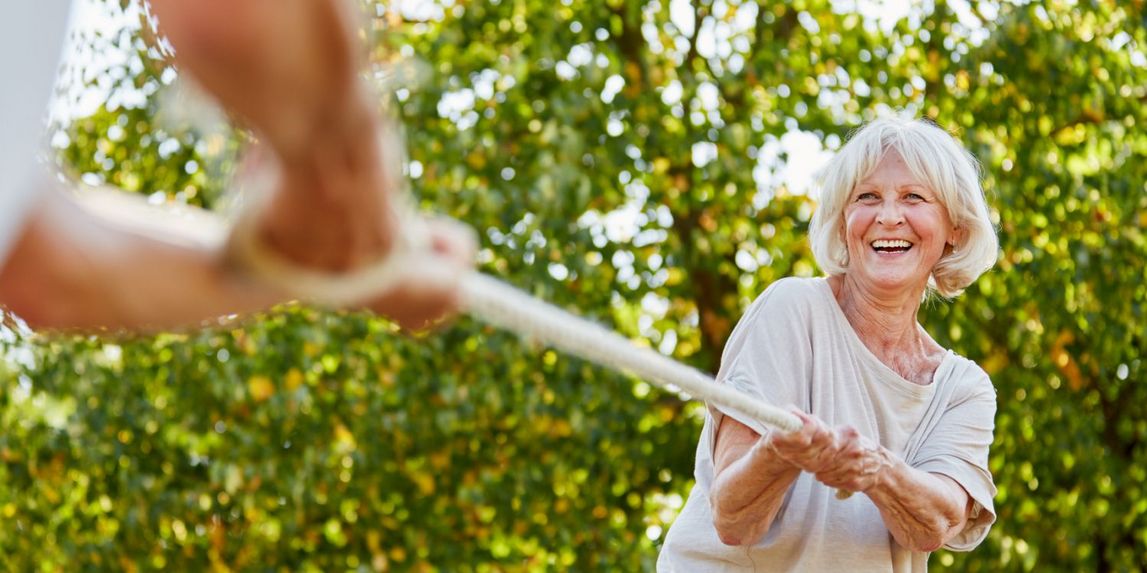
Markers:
(290, 70)
(70, 269)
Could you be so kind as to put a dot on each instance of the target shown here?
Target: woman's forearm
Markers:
(923, 511)
(748, 493)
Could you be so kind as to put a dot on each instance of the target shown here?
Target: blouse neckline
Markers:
(890, 375)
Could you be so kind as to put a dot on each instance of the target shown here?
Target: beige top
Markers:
(795, 346)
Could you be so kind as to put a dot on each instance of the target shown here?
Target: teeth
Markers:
(891, 244)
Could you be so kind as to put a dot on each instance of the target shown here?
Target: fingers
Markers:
(453, 240)
(838, 457)
(810, 448)
(843, 466)
(857, 464)
(430, 295)
(813, 433)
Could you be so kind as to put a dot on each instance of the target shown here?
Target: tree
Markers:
(642, 164)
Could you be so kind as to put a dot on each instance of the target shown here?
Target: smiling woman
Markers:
(923, 158)
(885, 410)
(896, 228)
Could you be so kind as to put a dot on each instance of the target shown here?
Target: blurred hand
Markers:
(430, 295)
(339, 214)
(290, 70)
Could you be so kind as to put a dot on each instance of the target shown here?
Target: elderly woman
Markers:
(887, 412)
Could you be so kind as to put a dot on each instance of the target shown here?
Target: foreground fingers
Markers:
(430, 294)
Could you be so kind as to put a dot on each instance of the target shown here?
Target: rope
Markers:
(504, 306)
(332, 290)
(483, 297)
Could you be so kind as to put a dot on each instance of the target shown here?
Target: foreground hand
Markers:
(338, 213)
(289, 68)
(335, 258)
(427, 298)
(857, 464)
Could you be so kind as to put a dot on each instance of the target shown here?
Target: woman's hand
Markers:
(838, 457)
(858, 463)
(811, 448)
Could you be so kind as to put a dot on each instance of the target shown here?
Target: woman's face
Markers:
(895, 227)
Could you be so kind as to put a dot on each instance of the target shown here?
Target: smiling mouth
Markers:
(891, 246)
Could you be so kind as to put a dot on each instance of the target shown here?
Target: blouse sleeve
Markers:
(958, 448)
(768, 355)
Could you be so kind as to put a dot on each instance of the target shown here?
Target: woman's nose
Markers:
(889, 214)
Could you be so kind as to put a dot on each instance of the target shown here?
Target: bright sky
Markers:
(91, 20)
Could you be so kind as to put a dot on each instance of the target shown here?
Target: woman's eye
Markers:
(914, 197)
(866, 196)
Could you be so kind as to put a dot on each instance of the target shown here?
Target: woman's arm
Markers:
(923, 511)
(753, 473)
(749, 485)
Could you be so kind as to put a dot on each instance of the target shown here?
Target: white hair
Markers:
(935, 157)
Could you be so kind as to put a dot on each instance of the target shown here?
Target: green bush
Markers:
(634, 178)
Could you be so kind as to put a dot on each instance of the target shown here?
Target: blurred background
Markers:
(644, 163)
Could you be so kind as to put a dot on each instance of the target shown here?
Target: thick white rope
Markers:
(502, 305)
(484, 297)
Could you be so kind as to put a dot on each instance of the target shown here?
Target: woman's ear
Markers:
(956, 236)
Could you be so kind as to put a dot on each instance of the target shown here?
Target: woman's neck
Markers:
(888, 327)
(891, 317)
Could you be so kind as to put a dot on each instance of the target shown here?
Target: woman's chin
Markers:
(893, 282)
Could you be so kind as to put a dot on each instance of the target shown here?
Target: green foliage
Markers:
(616, 163)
